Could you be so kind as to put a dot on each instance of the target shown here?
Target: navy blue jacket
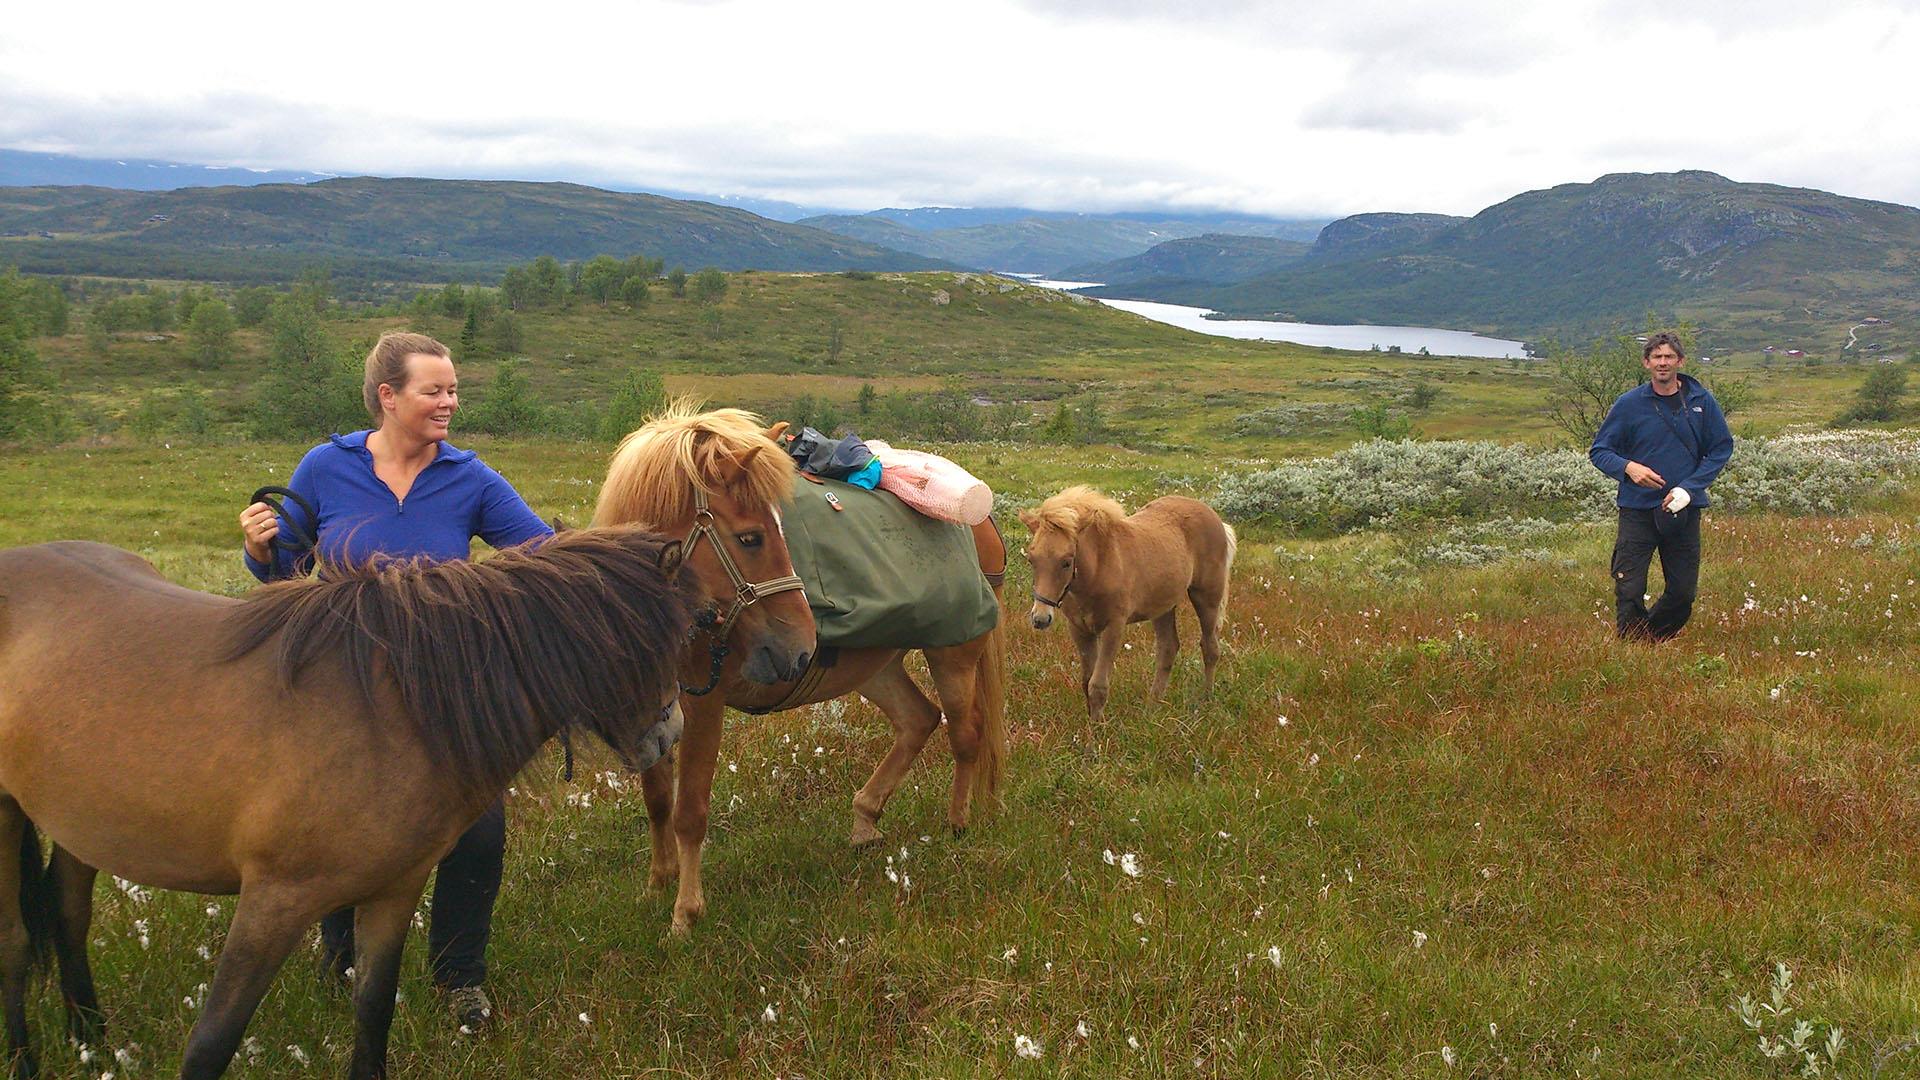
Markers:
(454, 499)
(1687, 450)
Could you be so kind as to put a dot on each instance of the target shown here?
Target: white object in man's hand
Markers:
(1677, 500)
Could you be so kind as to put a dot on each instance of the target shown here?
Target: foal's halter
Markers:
(1058, 600)
(745, 593)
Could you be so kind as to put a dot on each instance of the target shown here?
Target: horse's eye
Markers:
(750, 540)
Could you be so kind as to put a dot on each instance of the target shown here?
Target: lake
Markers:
(1410, 338)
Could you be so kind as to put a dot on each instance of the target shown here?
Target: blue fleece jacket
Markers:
(1688, 450)
(454, 499)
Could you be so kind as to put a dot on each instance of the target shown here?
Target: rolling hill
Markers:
(406, 229)
(1751, 264)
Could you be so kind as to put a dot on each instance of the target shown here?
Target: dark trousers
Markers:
(464, 889)
(1677, 539)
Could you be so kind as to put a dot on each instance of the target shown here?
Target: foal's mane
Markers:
(653, 474)
(491, 657)
(1079, 507)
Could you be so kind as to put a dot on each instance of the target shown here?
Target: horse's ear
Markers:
(672, 554)
(777, 430)
(560, 526)
(1029, 519)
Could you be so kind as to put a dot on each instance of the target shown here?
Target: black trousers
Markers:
(464, 889)
(1677, 539)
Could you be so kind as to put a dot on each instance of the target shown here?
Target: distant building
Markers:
(1795, 352)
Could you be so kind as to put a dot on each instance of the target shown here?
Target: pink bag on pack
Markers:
(932, 485)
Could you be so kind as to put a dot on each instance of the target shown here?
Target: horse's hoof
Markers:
(959, 832)
(864, 835)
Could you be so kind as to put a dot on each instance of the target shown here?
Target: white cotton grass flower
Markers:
(1133, 1043)
(1081, 1029)
(299, 1055)
(1028, 1048)
(1419, 939)
(1447, 1055)
(1273, 955)
(585, 1019)
(1130, 864)
(769, 1014)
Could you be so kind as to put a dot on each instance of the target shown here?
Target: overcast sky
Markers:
(1297, 109)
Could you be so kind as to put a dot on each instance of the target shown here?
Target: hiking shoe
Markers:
(471, 1009)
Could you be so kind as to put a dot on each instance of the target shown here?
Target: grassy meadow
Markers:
(1434, 820)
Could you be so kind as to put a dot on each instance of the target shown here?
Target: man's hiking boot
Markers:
(471, 1009)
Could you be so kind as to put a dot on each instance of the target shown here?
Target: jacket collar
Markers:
(357, 442)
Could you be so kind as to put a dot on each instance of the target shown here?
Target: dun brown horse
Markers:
(317, 745)
(717, 478)
(1103, 570)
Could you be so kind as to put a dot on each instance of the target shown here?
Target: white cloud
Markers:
(1291, 108)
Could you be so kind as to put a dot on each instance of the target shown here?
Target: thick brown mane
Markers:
(491, 657)
(652, 475)
(1079, 507)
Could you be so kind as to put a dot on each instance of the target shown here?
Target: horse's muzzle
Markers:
(766, 667)
(1041, 616)
(657, 740)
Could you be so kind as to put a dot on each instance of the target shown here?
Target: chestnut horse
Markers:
(718, 479)
(318, 745)
(1103, 570)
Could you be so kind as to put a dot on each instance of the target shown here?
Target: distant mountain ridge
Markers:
(1749, 262)
(1210, 259)
(28, 168)
(1047, 242)
(399, 230)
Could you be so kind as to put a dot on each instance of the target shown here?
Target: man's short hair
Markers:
(1664, 337)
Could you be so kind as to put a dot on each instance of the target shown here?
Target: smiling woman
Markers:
(401, 491)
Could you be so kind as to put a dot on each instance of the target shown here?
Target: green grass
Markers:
(1602, 843)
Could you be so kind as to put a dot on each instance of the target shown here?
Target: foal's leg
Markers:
(954, 672)
(1206, 605)
(73, 886)
(656, 785)
(1105, 647)
(913, 717)
(16, 948)
(699, 750)
(1083, 643)
(1166, 645)
(379, 937)
(267, 924)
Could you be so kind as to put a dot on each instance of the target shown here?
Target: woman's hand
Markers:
(258, 526)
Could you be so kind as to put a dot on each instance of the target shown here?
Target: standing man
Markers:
(1665, 441)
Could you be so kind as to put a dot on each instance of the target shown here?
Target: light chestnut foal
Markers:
(1104, 570)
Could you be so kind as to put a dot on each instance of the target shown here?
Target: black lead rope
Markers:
(566, 753)
(717, 653)
(292, 537)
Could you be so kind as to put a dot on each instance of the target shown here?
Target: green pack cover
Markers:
(879, 573)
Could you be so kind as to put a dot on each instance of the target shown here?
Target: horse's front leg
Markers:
(656, 784)
(699, 751)
(379, 939)
(1100, 679)
(267, 923)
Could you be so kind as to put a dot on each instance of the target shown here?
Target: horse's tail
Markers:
(990, 697)
(39, 904)
(1226, 577)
